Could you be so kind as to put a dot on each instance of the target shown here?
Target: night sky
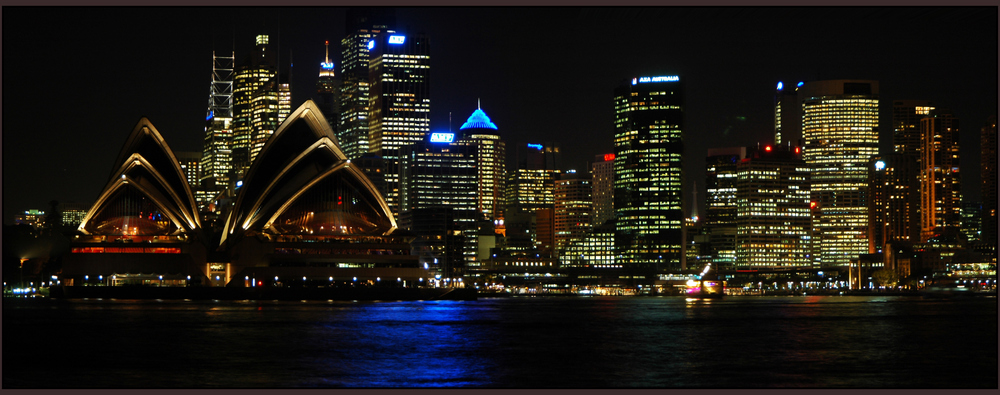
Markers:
(77, 80)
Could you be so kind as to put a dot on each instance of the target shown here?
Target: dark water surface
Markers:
(555, 342)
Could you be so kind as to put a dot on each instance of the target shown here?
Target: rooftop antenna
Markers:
(479, 103)
(449, 121)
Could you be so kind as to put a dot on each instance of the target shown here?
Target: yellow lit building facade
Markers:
(399, 100)
(257, 69)
(773, 220)
(649, 120)
(840, 127)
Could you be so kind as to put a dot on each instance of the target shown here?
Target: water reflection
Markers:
(600, 342)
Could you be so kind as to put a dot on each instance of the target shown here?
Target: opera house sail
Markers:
(144, 227)
(303, 216)
(305, 213)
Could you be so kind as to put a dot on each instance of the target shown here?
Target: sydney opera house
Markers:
(303, 215)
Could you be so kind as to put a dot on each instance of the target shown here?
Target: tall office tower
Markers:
(894, 201)
(363, 24)
(491, 159)
(328, 89)
(649, 120)
(191, 166)
(216, 159)
(719, 221)
(906, 116)
(840, 127)
(988, 179)
(573, 208)
(441, 175)
(972, 221)
(773, 220)
(399, 100)
(603, 184)
(255, 70)
(787, 116)
(269, 106)
(538, 156)
(941, 204)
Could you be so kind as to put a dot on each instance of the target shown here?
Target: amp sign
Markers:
(442, 137)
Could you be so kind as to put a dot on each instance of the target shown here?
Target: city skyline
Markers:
(535, 91)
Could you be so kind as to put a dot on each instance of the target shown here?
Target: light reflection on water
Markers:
(599, 342)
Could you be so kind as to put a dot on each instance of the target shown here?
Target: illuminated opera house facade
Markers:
(303, 215)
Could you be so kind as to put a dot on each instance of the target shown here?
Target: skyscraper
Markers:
(216, 160)
(649, 120)
(399, 100)
(906, 116)
(256, 70)
(363, 24)
(894, 201)
(440, 177)
(988, 179)
(491, 161)
(941, 188)
(328, 89)
(573, 208)
(602, 173)
(773, 220)
(840, 128)
(787, 115)
(720, 203)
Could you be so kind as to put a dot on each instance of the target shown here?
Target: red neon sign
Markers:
(609, 157)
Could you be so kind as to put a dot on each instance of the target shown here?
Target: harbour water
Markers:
(520, 342)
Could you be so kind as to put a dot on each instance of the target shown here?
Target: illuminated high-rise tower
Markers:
(399, 100)
(773, 220)
(251, 76)
(491, 157)
(893, 201)
(649, 120)
(573, 208)
(328, 89)
(216, 159)
(906, 116)
(787, 115)
(840, 127)
(602, 181)
(720, 203)
(363, 24)
(941, 188)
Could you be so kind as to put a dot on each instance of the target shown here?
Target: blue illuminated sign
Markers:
(879, 165)
(210, 115)
(396, 39)
(780, 85)
(535, 146)
(662, 78)
(442, 137)
(239, 183)
(326, 66)
(800, 84)
(371, 44)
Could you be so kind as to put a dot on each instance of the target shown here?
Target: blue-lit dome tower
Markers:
(491, 157)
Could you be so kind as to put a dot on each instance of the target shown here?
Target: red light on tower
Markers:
(767, 148)
(798, 150)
